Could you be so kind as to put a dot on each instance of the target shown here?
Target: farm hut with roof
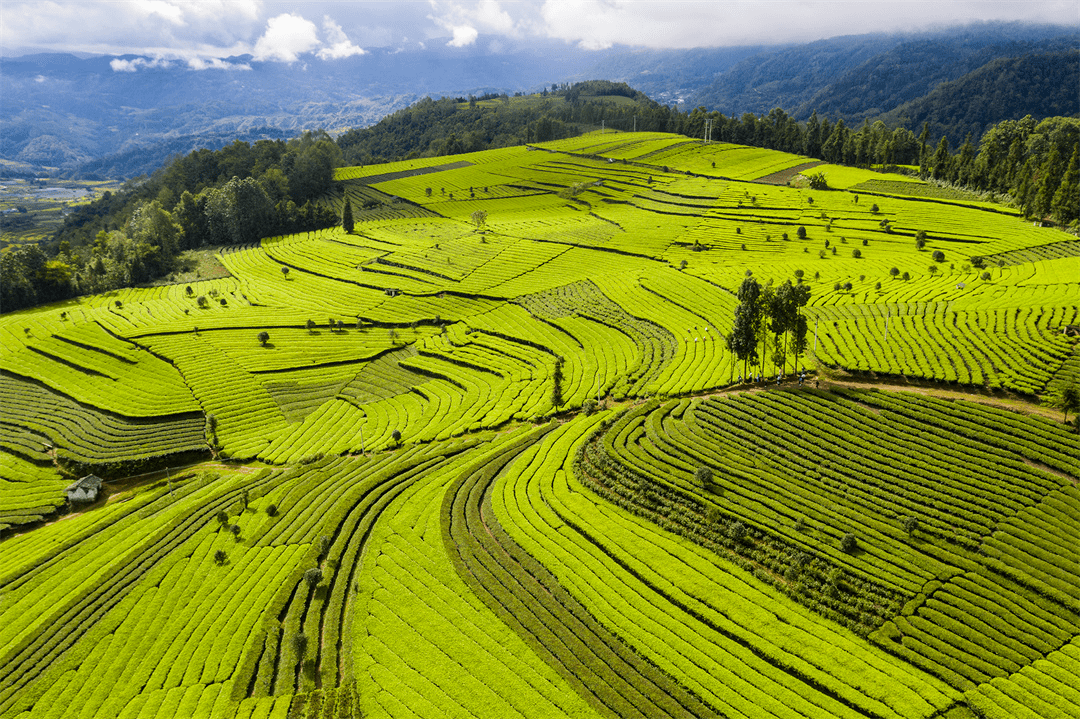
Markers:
(85, 490)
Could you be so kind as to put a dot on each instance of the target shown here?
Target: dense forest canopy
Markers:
(245, 191)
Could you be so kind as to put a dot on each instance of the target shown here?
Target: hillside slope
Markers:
(1042, 86)
(512, 447)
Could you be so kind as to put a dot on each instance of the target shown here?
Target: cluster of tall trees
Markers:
(232, 196)
(1035, 163)
(768, 323)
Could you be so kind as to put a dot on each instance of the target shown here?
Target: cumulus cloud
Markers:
(463, 35)
(121, 65)
(159, 28)
(167, 11)
(277, 30)
(465, 21)
(338, 44)
(215, 63)
(597, 24)
(287, 36)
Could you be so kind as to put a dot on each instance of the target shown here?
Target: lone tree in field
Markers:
(817, 181)
(220, 557)
(264, 337)
(703, 476)
(313, 577)
(556, 387)
(911, 525)
(396, 436)
(849, 543)
(938, 256)
(310, 326)
(346, 217)
(285, 272)
(1070, 400)
(479, 218)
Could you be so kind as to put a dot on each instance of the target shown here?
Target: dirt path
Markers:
(980, 395)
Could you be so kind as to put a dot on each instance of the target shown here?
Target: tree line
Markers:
(247, 191)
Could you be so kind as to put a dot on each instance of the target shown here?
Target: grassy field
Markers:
(489, 455)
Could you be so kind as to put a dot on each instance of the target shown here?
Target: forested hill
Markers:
(1045, 85)
(862, 77)
(244, 192)
(454, 125)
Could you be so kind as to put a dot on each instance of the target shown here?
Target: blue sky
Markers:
(203, 32)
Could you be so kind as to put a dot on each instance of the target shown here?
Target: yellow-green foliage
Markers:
(470, 561)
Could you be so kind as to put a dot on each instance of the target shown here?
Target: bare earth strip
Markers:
(783, 176)
(386, 177)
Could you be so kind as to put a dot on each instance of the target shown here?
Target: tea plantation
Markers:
(495, 453)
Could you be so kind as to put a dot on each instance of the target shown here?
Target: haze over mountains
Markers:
(123, 116)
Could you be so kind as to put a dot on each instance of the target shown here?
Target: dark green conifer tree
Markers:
(346, 217)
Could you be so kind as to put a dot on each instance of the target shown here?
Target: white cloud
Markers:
(339, 45)
(464, 35)
(121, 65)
(464, 21)
(287, 36)
(277, 29)
(215, 63)
(596, 24)
(490, 16)
(157, 28)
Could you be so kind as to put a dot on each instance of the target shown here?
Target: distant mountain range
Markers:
(120, 117)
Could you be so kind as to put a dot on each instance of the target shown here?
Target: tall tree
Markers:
(941, 160)
(743, 338)
(923, 157)
(1066, 204)
(346, 217)
(1048, 182)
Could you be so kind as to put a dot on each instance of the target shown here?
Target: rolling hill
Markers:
(618, 425)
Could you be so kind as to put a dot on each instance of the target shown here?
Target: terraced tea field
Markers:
(490, 455)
